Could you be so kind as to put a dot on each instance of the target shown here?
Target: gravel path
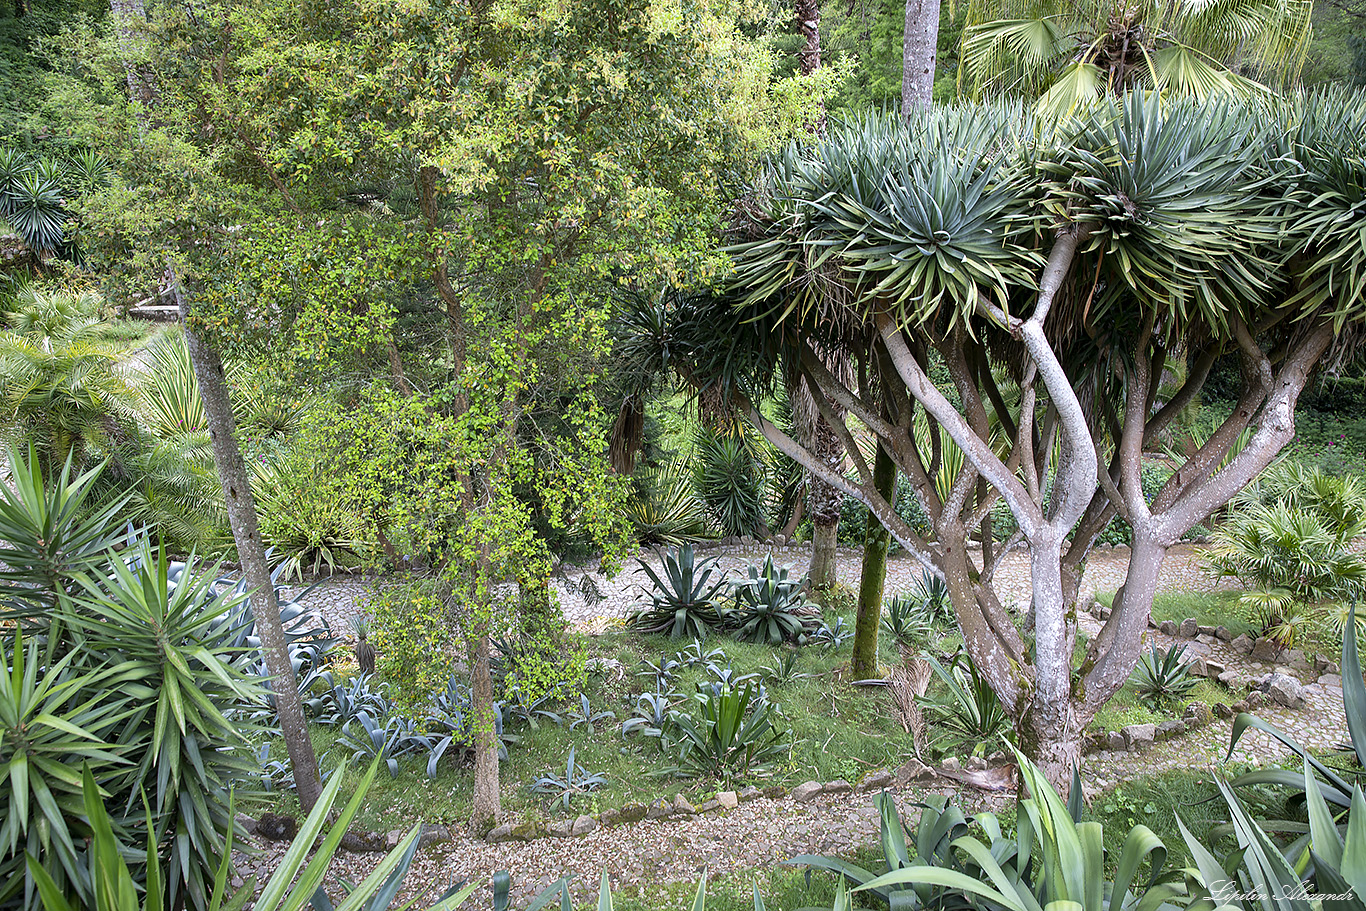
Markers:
(614, 599)
(764, 832)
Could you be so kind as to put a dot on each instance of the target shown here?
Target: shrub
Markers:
(1291, 531)
(411, 628)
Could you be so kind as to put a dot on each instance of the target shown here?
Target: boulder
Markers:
(877, 780)
(500, 833)
(609, 818)
(838, 786)
(1206, 630)
(975, 764)
(682, 807)
(1223, 634)
(951, 764)
(709, 806)
(728, 800)
(1137, 736)
(1324, 666)
(1198, 712)
(1189, 629)
(1115, 741)
(584, 824)
(1198, 667)
(912, 770)
(1255, 699)
(1213, 668)
(526, 831)
(1265, 650)
(775, 792)
(1243, 644)
(433, 834)
(1286, 690)
(632, 812)
(805, 791)
(1170, 729)
(658, 809)
(1229, 679)
(1222, 711)
(562, 829)
(1168, 627)
(1331, 680)
(1296, 658)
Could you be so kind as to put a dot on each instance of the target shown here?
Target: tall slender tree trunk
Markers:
(919, 48)
(808, 14)
(486, 805)
(129, 18)
(874, 576)
(241, 507)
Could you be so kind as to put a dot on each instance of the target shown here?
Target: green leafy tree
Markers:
(437, 198)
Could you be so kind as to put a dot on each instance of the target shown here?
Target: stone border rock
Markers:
(680, 806)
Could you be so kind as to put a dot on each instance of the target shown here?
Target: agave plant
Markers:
(651, 717)
(829, 636)
(1163, 675)
(683, 597)
(696, 654)
(583, 714)
(769, 607)
(293, 883)
(782, 670)
(1336, 789)
(932, 839)
(664, 671)
(575, 781)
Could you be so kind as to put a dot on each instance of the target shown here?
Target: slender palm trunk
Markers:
(241, 508)
(873, 579)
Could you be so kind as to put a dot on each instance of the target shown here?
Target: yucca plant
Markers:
(728, 731)
(769, 607)
(51, 534)
(973, 715)
(666, 511)
(683, 597)
(907, 619)
(1163, 676)
(728, 479)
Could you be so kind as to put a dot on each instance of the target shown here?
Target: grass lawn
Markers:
(838, 731)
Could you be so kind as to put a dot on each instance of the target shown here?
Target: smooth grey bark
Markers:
(241, 508)
(919, 48)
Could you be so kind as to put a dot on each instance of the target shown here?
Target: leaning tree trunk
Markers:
(241, 507)
(919, 46)
(872, 581)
